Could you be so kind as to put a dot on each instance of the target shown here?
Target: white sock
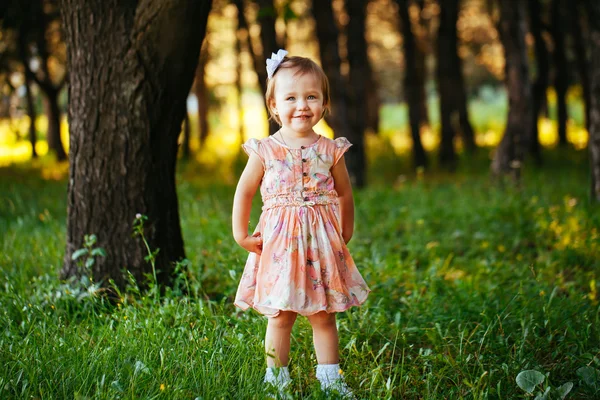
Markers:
(278, 377)
(328, 374)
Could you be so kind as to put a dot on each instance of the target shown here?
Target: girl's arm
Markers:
(242, 205)
(343, 187)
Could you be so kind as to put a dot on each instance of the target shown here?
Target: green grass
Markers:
(472, 284)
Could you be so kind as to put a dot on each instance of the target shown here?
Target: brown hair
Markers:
(304, 66)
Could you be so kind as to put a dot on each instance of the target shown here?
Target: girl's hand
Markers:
(252, 243)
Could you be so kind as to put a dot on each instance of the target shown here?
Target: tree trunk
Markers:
(327, 35)
(240, 33)
(32, 116)
(357, 88)
(185, 143)
(445, 75)
(594, 68)
(541, 82)
(202, 99)
(267, 16)
(131, 66)
(53, 113)
(509, 155)
(413, 84)
(561, 78)
(579, 40)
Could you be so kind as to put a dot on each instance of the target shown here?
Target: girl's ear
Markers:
(272, 106)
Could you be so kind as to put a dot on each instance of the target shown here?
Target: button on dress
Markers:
(305, 265)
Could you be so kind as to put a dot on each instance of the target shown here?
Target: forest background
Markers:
(476, 164)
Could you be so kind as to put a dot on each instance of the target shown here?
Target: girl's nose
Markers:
(302, 104)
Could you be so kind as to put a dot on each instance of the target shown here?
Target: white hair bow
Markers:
(274, 61)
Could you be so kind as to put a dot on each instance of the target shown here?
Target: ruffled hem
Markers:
(244, 305)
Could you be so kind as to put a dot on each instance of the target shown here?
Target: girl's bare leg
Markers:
(277, 339)
(325, 337)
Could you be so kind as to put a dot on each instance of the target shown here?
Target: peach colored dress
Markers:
(305, 265)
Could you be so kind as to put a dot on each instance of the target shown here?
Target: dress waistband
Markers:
(299, 199)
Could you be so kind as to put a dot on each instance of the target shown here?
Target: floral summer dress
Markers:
(305, 265)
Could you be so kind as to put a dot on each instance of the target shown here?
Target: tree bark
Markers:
(327, 35)
(357, 87)
(131, 66)
(561, 78)
(593, 11)
(53, 114)
(579, 43)
(267, 15)
(240, 33)
(413, 84)
(445, 75)
(541, 82)
(509, 155)
(202, 99)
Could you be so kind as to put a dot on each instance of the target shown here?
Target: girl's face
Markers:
(298, 100)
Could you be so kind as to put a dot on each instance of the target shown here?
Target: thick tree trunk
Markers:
(541, 82)
(561, 78)
(510, 153)
(357, 88)
(579, 43)
(413, 84)
(32, 116)
(131, 66)
(445, 76)
(594, 68)
(327, 35)
(267, 16)
(53, 114)
(201, 93)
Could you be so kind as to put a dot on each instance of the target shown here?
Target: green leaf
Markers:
(589, 375)
(89, 262)
(99, 252)
(529, 379)
(564, 390)
(78, 253)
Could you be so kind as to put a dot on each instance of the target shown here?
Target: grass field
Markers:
(472, 285)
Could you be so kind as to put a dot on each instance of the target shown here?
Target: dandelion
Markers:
(52, 306)
(432, 245)
(124, 316)
(162, 387)
(485, 245)
(519, 257)
(138, 216)
(420, 222)
(542, 293)
(501, 248)
(341, 372)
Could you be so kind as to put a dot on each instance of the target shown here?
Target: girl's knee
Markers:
(285, 320)
(322, 319)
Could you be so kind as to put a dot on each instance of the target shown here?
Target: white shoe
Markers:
(279, 379)
(331, 379)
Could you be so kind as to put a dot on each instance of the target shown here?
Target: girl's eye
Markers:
(291, 98)
(311, 97)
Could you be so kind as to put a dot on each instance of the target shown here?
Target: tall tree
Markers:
(580, 38)
(267, 15)
(35, 25)
(327, 35)
(593, 11)
(131, 66)
(561, 78)
(414, 78)
(202, 98)
(540, 84)
(360, 70)
(453, 99)
(510, 153)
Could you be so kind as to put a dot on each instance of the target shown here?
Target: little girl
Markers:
(298, 261)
